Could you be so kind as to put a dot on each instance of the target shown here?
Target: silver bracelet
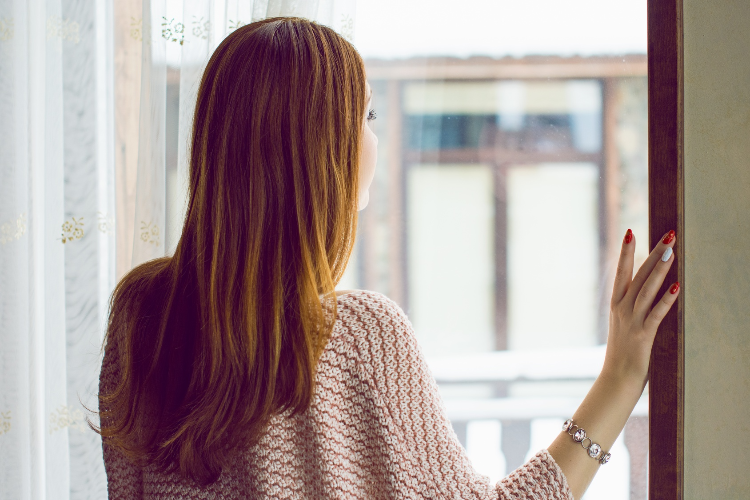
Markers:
(579, 436)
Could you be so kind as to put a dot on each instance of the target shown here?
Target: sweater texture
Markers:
(377, 429)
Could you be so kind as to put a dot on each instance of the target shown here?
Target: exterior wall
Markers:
(717, 249)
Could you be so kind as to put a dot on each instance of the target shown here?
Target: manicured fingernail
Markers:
(628, 236)
(674, 288)
(667, 254)
(668, 238)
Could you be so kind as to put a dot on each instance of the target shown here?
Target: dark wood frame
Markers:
(665, 135)
(665, 159)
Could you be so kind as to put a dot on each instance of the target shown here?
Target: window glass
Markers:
(512, 158)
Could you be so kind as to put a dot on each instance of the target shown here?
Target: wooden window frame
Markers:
(665, 180)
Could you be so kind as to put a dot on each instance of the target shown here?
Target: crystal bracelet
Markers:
(579, 436)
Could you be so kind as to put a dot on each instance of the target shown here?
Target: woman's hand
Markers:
(632, 328)
(632, 319)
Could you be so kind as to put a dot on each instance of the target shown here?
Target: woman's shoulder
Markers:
(377, 332)
(370, 316)
(368, 301)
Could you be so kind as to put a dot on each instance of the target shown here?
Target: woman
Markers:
(235, 370)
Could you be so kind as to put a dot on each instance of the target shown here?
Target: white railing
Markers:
(540, 415)
(521, 408)
(583, 364)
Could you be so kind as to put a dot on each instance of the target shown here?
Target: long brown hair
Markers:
(216, 339)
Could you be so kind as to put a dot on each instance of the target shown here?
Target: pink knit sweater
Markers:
(377, 429)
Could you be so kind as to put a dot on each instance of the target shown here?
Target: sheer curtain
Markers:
(83, 146)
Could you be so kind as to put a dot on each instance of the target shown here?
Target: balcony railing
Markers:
(520, 426)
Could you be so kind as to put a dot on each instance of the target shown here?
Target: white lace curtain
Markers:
(83, 147)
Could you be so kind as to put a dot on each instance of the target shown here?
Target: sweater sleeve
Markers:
(124, 479)
(432, 461)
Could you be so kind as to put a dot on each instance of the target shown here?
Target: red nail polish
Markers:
(668, 238)
(674, 288)
(628, 236)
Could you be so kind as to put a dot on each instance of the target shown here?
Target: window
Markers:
(506, 183)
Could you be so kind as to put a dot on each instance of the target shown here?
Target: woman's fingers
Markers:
(667, 241)
(624, 267)
(650, 288)
(661, 308)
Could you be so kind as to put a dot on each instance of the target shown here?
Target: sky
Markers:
(463, 28)
(497, 28)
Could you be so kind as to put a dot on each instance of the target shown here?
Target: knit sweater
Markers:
(377, 429)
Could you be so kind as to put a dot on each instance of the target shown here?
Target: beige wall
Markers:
(717, 252)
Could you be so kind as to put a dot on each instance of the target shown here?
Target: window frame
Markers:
(666, 211)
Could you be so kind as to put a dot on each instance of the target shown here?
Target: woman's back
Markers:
(376, 429)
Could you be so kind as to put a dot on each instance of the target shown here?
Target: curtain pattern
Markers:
(83, 141)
